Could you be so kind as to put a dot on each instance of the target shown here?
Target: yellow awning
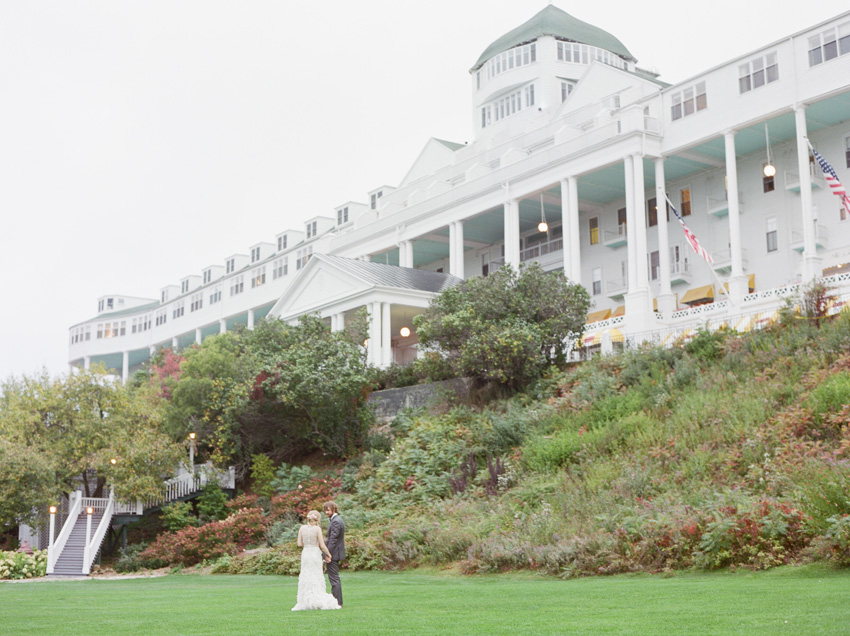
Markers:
(596, 316)
(616, 336)
(698, 294)
(619, 311)
(751, 284)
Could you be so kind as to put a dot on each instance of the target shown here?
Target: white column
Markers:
(198, 337)
(250, 319)
(174, 344)
(666, 300)
(405, 254)
(640, 224)
(87, 363)
(151, 351)
(737, 280)
(631, 223)
(812, 264)
(386, 335)
(575, 236)
(374, 351)
(338, 322)
(125, 367)
(456, 267)
(512, 233)
(222, 326)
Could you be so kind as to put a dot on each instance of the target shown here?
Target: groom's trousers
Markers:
(333, 577)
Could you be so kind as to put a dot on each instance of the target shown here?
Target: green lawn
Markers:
(800, 601)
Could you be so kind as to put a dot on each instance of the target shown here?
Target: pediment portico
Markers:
(335, 288)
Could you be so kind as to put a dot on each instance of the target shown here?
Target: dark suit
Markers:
(336, 546)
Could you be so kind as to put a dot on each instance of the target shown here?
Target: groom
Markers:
(336, 546)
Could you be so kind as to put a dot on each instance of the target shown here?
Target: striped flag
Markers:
(699, 249)
(832, 179)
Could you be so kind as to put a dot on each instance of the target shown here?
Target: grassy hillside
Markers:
(730, 451)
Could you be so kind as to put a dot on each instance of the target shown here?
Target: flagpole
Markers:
(720, 283)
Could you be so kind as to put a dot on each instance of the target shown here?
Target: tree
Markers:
(60, 435)
(506, 327)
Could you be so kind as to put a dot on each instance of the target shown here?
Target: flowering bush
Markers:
(307, 496)
(193, 545)
(20, 565)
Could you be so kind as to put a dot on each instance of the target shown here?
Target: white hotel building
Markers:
(566, 127)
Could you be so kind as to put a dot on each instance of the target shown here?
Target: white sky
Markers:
(142, 141)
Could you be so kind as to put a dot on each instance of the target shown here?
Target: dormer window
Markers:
(184, 286)
(164, 295)
(230, 265)
(109, 303)
(255, 254)
(207, 276)
(311, 229)
(281, 243)
(374, 201)
(342, 215)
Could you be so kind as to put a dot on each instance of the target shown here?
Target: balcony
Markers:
(616, 288)
(792, 179)
(680, 272)
(723, 260)
(617, 238)
(821, 239)
(720, 207)
(534, 252)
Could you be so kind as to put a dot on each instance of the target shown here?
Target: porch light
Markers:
(89, 510)
(52, 510)
(769, 168)
(191, 436)
(404, 332)
(542, 226)
(113, 461)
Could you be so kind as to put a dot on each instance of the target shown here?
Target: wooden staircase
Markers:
(70, 560)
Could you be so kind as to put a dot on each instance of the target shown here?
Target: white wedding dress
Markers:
(312, 591)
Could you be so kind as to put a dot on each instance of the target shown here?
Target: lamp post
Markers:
(86, 548)
(50, 538)
(192, 451)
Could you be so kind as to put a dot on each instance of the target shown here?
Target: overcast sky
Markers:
(143, 141)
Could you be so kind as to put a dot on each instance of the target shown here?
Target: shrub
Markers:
(178, 515)
(306, 496)
(262, 474)
(212, 504)
(836, 540)
(20, 565)
(288, 478)
(130, 559)
(275, 561)
(193, 545)
(824, 489)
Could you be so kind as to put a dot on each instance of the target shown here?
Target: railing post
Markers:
(89, 512)
(50, 542)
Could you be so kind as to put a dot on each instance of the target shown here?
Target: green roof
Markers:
(559, 24)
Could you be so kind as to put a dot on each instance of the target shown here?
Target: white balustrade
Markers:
(55, 547)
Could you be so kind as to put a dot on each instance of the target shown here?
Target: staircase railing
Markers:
(91, 548)
(54, 548)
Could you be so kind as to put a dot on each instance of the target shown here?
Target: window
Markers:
(281, 242)
(231, 265)
(654, 265)
(685, 201)
(109, 303)
(652, 212)
(197, 302)
(100, 305)
(255, 254)
(513, 58)
(529, 96)
(215, 296)
(768, 183)
(594, 229)
(597, 281)
(342, 216)
(622, 217)
(184, 286)
(88, 330)
(164, 295)
(207, 276)
(829, 44)
(311, 229)
(179, 309)
(302, 257)
(689, 101)
(584, 54)
(485, 264)
(161, 317)
(237, 285)
(280, 268)
(758, 72)
(566, 89)
(843, 215)
(772, 241)
(847, 150)
(374, 199)
(258, 277)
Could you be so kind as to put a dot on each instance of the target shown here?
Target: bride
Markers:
(312, 593)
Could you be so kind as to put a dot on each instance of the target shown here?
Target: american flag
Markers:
(832, 179)
(699, 249)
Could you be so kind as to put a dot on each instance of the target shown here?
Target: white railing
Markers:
(192, 482)
(680, 267)
(541, 249)
(93, 543)
(619, 234)
(54, 548)
(616, 286)
(821, 235)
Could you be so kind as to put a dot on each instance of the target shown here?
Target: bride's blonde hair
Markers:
(313, 517)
